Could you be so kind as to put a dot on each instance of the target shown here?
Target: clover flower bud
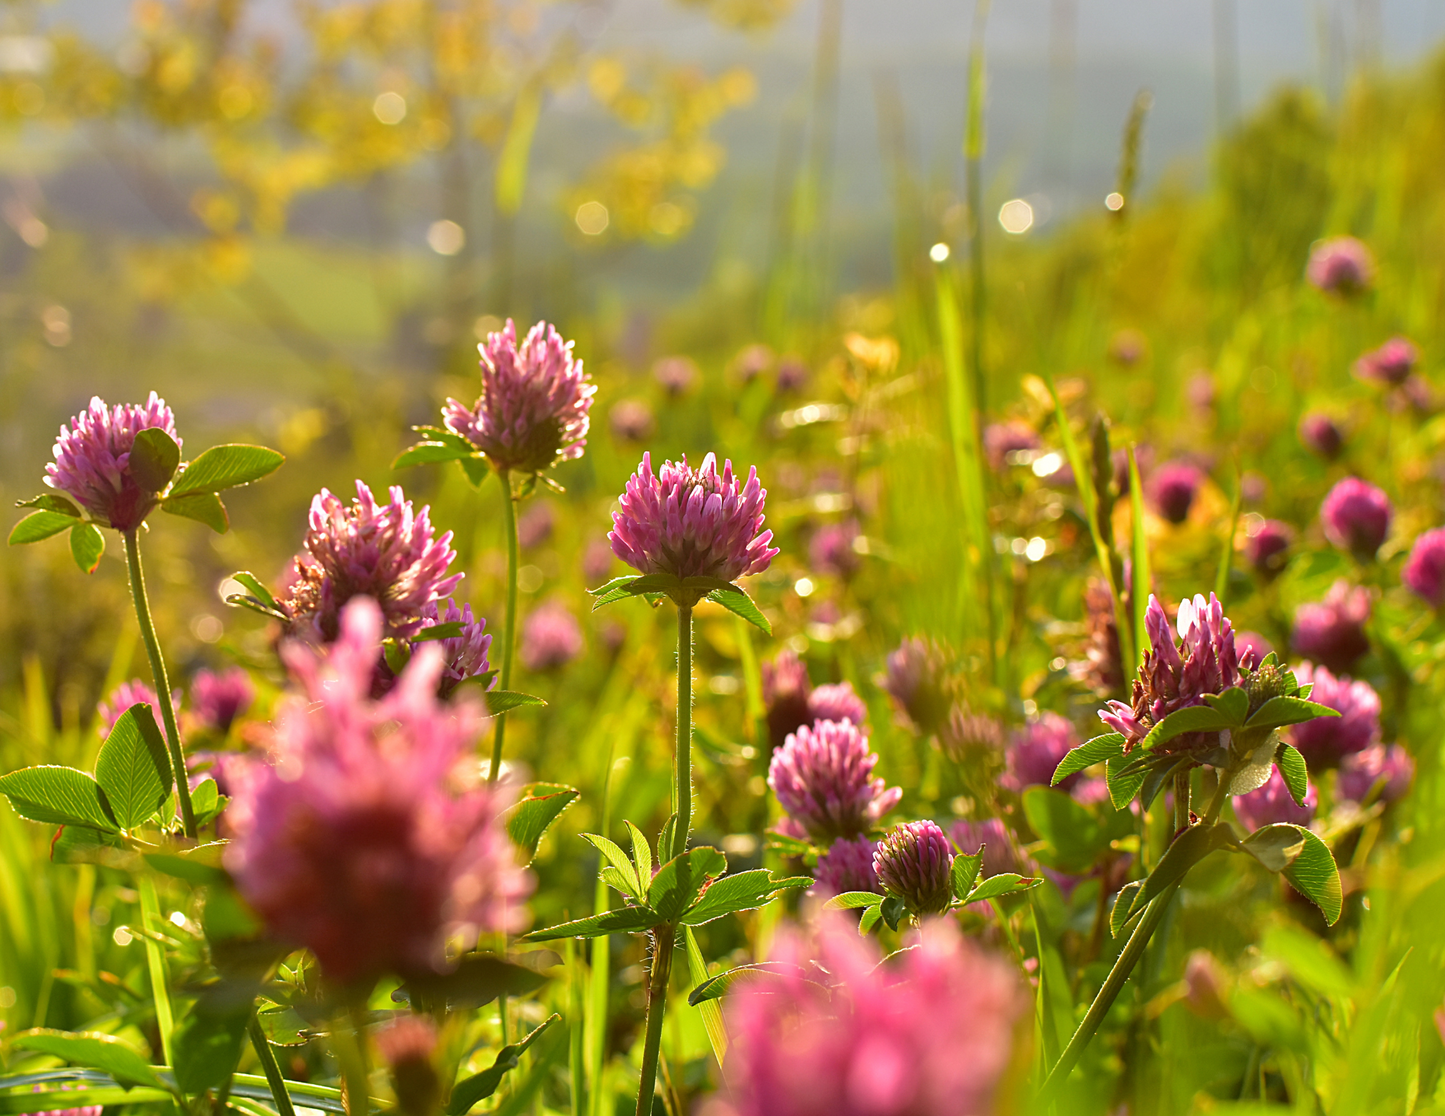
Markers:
(822, 777)
(1340, 265)
(1252, 649)
(1424, 570)
(92, 460)
(846, 866)
(1172, 488)
(1321, 435)
(464, 655)
(914, 862)
(1390, 364)
(1326, 741)
(218, 698)
(1332, 632)
(1266, 546)
(1390, 769)
(1356, 517)
(551, 638)
(1272, 803)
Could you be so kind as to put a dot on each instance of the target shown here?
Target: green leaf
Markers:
(619, 860)
(893, 911)
(87, 545)
(500, 701)
(40, 525)
(871, 917)
(207, 801)
(188, 869)
(79, 844)
(1233, 703)
(58, 796)
(153, 459)
(1280, 711)
(285, 1026)
(1139, 591)
(134, 768)
(97, 1095)
(1124, 781)
(475, 979)
(1275, 846)
(475, 469)
(51, 501)
(1193, 718)
(620, 588)
(1304, 860)
(736, 601)
(614, 879)
(207, 1045)
(1183, 853)
(744, 891)
(624, 920)
(712, 1020)
(479, 1087)
(444, 435)
(681, 880)
(1159, 775)
(95, 1051)
(616, 582)
(1087, 754)
(641, 853)
(853, 900)
(256, 587)
(716, 987)
(1073, 834)
(222, 467)
(447, 629)
(1309, 960)
(1294, 772)
(241, 600)
(964, 873)
(1005, 883)
(1123, 911)
(203, 507)
(430, 453)
(540, 805)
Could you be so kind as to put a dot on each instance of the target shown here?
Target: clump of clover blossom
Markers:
(1035, 749)
(464, 655)
(836, 701)
(631, 421)
(219, 697)
(1101, 665)
(1172, 488)
(387, 552)
(1332, 631)
(692, 522)
(846, 866)
(917, 681)
(822, 776)
(929, 1033)
(533, 410)
(1390, 364)
(1356, 517)
(1321, 435)
(678, 375)
(1266, 546)
(1272, 803)
(1000, 850)
(367, 839)
(406, 1046)
(1325, 741)
(786, 689)
(92, 460)
(914, 862)
(1424, 570)
(1005, 443)
(1340, 265)
(1175, 677)
(831, 550)
(968, 735)
(127, 694)
(1390, 769)
(551, 637)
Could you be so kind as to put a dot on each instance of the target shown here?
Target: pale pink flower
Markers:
(1272, 803)
(1325, 741)
(1340, 265)
(1391, 769)
(133, 692)
(846, 866)
(463, 656)
(551, 637)
(219, 697)
(822, 776)
(92, 460)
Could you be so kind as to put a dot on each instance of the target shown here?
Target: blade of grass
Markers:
(1226, 550)
(1141, 560)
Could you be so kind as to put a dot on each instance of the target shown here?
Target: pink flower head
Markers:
(1007, 443)
(831, 549)
(219, 697)
(821, 776)
(929, 1033)
(1391, 769)
(967, 735)
(1000, 850)
(1340, 265)
(1332, 631)
(1321, 435)
(387, 552)
(692, 522)
(1424, 570)
(1172, 488)
(1252, 649)
(1356, 516)
(134, 692)
(533, 410)
(1100, 666)
(534, 526)
(1205, 662)
(846, 866)
(1272, 803)
(792, 375)
(406, 1046)
(836, 701)
(914, 862)
(678, 375)
(631, 421)
(917, 681)
(367, 839)
(1266, 547)
(92, 460)
(551, 637)
(786, 690)
(1325, 741)
(463, 656)
(1390, 364)
(1036, 749)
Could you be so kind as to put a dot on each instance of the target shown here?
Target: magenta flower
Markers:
(751, 362)
(1101, 666)
(1332, 631)
(821, 776)
(1266, 546)
(917, 681)
(692, 522)
(463, 656)
(218, 698)
(1169, 680)
(1390, 364)
(631, 421)
(406, 1046)
(367, 839)
(914, 862)
(1325, 741)
(1390, 769)
(387, 552)
(1321, 435)
(596, 562)
(1036, 749)
(532, 412)
(1356, 517)
(1003, 440)
(134, 692)
(534, 526)
(1252, 649)
(792, 375)
(1000, 850)
(846, 866)
(551, 638)
(1272, 803)
(928, 1034)
(92, 460)
(1172, 488)
(831, 549)
(786, 689)
(678, 375)
(1340, 265)
(836, 701)
(1424, 570)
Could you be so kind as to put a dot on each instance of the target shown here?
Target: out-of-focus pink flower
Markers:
(387, 552)
(1252, 649)
(533, 410)
(1253, 488)
(822, 777)
(551, 637)
(219, 697)
(678, 375)
(1172, 488)
(86, 1110)
(836, 701)
(1266, 547)
(1332, 632)
(597, 561)
(534, 526)
(1169, 681)
(966, 734)
(1001, 439)
(1321, 435)
(792, 375)
(1272, 803)
(929, 1034)
(1391, 769)
(366, 839)
(1204, 984)
(92, 460)
(1325, 741)
(1340, 265)
(751, 362)
(1035, 750)
(123, 697)
(692, 522)
(1390, 364)
(631, 421)
(1356, 516)
(1201, 391)
(406, 1046)
(831, 549)
(846, 866)
(1424, 570)
(1101, 668)
(786, 689)
(1128, 347)
(914, 862)
(1000, 851)
(917, 681)
(463, 656)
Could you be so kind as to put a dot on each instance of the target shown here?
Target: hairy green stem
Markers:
(150, 916)
(349, 1045)
(683, 761)
(509, 624)
(163, 685)
(662, 938)
(270, 1068)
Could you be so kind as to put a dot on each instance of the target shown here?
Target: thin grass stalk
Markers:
(150, 915)
(1226, 549)
(1140, 590)
(270, 1067)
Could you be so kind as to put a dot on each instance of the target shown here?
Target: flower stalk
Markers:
(662, 944)
(270, 1068)
(509, 622)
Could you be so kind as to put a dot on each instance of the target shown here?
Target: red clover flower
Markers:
(1036, 749)
(1356, 517)
(1391, 769)
(1424, 570)
(1321, 435)
(134, 692)
(846, 866)
(463, 656)
(1172, 488)
(1340, 265)
(1332, 631)
(822, 777)
(914, 862)
(1266, 546)
(917, 681)
(551, 638)
(1325, 741)
(92, 460)
(1272, 803)
(1390, 364)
